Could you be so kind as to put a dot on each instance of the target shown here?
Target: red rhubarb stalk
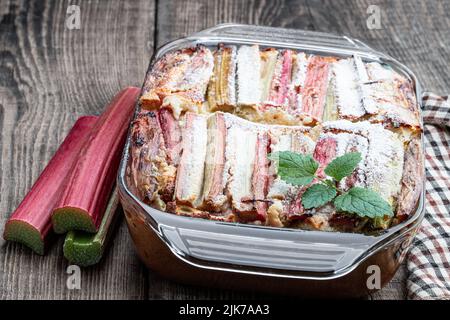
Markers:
(172, 134)
(92, 178)
(280, 89)
(324, 152)
(30, 224)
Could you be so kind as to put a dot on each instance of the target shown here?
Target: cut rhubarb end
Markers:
(67, 218)
(90, 183)
(86, 249)
(25, 233)
(82, 248)
(33, 215)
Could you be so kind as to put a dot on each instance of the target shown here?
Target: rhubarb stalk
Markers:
(86, 249)
(30, 224)
(315, 89)
(92, 178)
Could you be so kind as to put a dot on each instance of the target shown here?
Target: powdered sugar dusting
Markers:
(362, 127)
(248, 75)
(240, 156)
(198, 71)
(378, 72)
(384, 163)
(300, 68)
(347, 91)
(384, 160)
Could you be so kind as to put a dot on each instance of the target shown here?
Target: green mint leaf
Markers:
(343, 166)
(363, 202)
(295, 168)
(318, 195)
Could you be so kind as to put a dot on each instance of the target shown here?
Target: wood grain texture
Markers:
(49, 76)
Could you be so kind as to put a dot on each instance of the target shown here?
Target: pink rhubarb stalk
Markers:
(324, 152)
(280, 83)
(315, 89)
(172, 135)
(31, 223)
(92, 178)
(260, 179)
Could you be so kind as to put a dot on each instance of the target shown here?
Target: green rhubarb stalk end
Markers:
(66, 219)
(86, 249)
(24, 233)
(83, 249)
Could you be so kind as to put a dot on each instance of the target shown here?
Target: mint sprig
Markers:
(301, 170)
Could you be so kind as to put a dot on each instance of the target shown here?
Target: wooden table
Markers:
(50, 75)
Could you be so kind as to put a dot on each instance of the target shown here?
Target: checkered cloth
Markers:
(428, 261)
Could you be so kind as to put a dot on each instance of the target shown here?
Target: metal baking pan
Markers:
(266, 259)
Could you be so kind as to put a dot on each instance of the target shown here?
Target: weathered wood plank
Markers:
(415, 32)
(49, 76)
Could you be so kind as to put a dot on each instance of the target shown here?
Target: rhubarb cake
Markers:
(210, 118)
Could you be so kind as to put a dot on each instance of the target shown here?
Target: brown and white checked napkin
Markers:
(428, 261)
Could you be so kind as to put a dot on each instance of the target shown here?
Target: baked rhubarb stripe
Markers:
(214, 198)
(179, 80)
(285, 198)
(356, 143)
(315, 89)
(162, 79)
(260, 178)
(190, 173)
(269, 58)
(286, 139)
(347, 91)
(387, 96)
(222, 85)
(299, 69)
(281, 78)
(248, 76)
(412, 179)
(171, 132)
(147, 158)
(383, 164)
(155, 150)
(331, 111)
(331, 145)
(240, 157)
